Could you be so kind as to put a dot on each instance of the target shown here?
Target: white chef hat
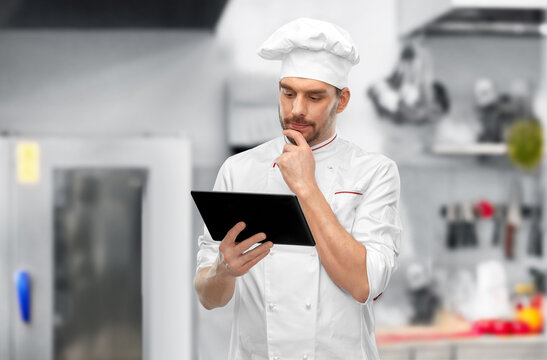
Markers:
(312, 49)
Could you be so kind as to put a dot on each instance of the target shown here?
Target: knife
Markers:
(514, 220)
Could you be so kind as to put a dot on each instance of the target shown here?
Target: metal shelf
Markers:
(495, 149)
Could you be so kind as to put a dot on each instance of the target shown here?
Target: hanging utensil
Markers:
(451, 240)
(514, 220)
(469, 231)
(535, 240)
(499, 224)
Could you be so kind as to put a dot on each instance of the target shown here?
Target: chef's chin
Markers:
(285, 125)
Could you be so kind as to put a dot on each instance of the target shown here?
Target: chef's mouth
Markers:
(295, 125)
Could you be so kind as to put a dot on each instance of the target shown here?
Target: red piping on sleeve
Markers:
(348, 192)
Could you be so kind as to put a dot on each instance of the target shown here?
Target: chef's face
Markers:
(310, 107)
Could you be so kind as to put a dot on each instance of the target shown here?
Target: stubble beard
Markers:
(315, 135)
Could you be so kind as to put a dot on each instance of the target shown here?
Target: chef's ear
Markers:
(343, 100)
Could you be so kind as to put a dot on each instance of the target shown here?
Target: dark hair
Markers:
(338, 92)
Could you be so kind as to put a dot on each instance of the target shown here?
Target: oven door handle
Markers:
(24, 294)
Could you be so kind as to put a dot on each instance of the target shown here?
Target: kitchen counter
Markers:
(531, 347)
(452, 338)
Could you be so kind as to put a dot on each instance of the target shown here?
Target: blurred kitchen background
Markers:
(111, 112)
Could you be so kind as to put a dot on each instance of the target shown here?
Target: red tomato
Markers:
(502, 327)
(483, 326)
(520, 327)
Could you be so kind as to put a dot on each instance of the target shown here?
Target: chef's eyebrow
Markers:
(309, 92)
(316, 92)
(286, 87)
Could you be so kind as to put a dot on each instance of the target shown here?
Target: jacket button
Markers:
(308, 306)
(272, 306)
(305, 357)
(276, 358)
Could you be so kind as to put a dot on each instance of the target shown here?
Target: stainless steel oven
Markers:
(95, 249)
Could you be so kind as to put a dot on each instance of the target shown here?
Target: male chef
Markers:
(302, 302)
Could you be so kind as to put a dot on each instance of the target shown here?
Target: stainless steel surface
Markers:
(498, 21)
(506, 28)
(97, 263)
(4, 258)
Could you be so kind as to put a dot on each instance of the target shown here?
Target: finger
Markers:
(254, 261)
(280, 159)
(256, 252)
(247, 243)
(232, 234)
(289, 147)
(296, 136)
(238, 266)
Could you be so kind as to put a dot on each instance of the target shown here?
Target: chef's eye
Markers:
(288, 94)
(315, 98)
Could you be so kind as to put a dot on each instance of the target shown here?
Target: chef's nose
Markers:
(299, 107)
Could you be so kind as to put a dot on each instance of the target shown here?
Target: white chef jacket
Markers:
(287, 306)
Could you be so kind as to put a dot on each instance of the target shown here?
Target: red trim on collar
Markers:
(376, 298)
(317, 148)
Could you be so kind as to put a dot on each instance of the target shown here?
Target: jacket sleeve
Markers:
(377, 226)
(207, 247)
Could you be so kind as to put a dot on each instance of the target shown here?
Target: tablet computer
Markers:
(280, 217)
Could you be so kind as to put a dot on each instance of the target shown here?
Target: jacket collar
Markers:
(322, 150)
(325, 146)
